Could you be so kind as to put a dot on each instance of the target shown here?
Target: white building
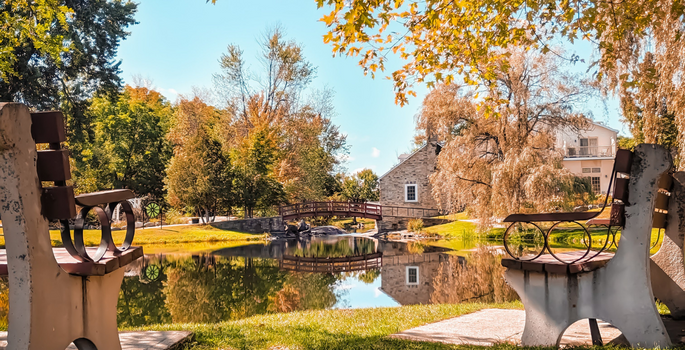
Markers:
(590, 153)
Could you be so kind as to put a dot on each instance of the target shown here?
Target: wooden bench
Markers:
(558, 289)
(57, 295)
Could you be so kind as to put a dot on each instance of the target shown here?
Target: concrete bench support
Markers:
(48, 307)
(619, 292)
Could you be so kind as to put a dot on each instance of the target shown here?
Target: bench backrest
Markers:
(53, 165)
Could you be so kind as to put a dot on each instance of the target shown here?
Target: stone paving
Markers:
(493, 326)
(169, 340)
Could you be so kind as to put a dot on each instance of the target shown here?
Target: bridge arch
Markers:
(342, 209)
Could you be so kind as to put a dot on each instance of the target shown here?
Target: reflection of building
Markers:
(589, 153)
(409, 278)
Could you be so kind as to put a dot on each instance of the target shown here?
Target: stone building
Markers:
(405, 190)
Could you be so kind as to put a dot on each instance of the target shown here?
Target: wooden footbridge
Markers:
(342, 209)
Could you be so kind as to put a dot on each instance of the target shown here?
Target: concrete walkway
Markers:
(492, 326)
(170, 340)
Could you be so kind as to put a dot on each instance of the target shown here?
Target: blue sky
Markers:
(177, 44)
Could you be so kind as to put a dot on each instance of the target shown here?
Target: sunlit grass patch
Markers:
(327, 329)
(453, 229)
(170, 235)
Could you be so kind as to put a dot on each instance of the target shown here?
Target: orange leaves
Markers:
(329, 19)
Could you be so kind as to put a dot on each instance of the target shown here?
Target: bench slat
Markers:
(53, 165)
(581, 216)
(547, 263)
(48, 127)
(72, 266)
(58, 203)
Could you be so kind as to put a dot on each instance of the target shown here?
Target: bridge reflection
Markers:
(333, 265)
(333, 254)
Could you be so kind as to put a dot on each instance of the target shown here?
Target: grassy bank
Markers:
(170, 235)
(327, 329)
(452, 229)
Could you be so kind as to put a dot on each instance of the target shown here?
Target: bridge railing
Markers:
(330, 209)
(410, 212)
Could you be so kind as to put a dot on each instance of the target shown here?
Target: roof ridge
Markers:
(405, 159)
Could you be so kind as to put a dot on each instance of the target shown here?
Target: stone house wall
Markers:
(414, 170)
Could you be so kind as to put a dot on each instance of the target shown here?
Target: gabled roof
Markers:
(402, 162)
(438, 144)
(604, 126)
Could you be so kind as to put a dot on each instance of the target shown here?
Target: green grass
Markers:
(171, 235)
(452, 229)
(456, 216)
(327, 329)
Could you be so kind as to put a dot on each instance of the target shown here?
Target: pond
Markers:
(213, 282)
(353, 272)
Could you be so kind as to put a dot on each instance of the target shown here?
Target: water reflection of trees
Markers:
(346, 247)
(4, 302)
(480, 279)
(212, 289)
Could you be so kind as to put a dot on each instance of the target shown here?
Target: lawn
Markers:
(327, 329)
(452, 229)
(170, 235)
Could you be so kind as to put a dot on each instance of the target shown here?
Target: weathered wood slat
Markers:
(547, 263)
(108, 264)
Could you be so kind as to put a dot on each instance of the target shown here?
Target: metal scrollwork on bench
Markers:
(92, 201)
(619, 180)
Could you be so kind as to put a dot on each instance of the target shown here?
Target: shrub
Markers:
(415, 225)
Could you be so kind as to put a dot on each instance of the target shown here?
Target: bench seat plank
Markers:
(547, 263)
(109, 263)
(579, 216)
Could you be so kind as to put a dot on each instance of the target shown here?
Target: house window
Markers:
(587, 170)
(588, 147)
(595, 184)
(412, 275)
(410, 193)
(596, 170)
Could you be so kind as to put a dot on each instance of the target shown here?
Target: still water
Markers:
(227, 283)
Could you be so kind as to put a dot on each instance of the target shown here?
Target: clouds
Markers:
(375, 152)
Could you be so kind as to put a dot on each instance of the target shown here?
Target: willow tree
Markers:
(639, 46)
(497, 166)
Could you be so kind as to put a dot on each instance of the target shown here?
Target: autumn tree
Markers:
(360, 187)
(255, 183)
(57, 54)
(130, 148)
(497, 166)
(638, 46)
(200, 175)
(308, 143)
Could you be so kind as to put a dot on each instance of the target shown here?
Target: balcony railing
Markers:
(589, 151)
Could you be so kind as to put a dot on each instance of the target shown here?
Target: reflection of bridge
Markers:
(342, 209)
(341, 264)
